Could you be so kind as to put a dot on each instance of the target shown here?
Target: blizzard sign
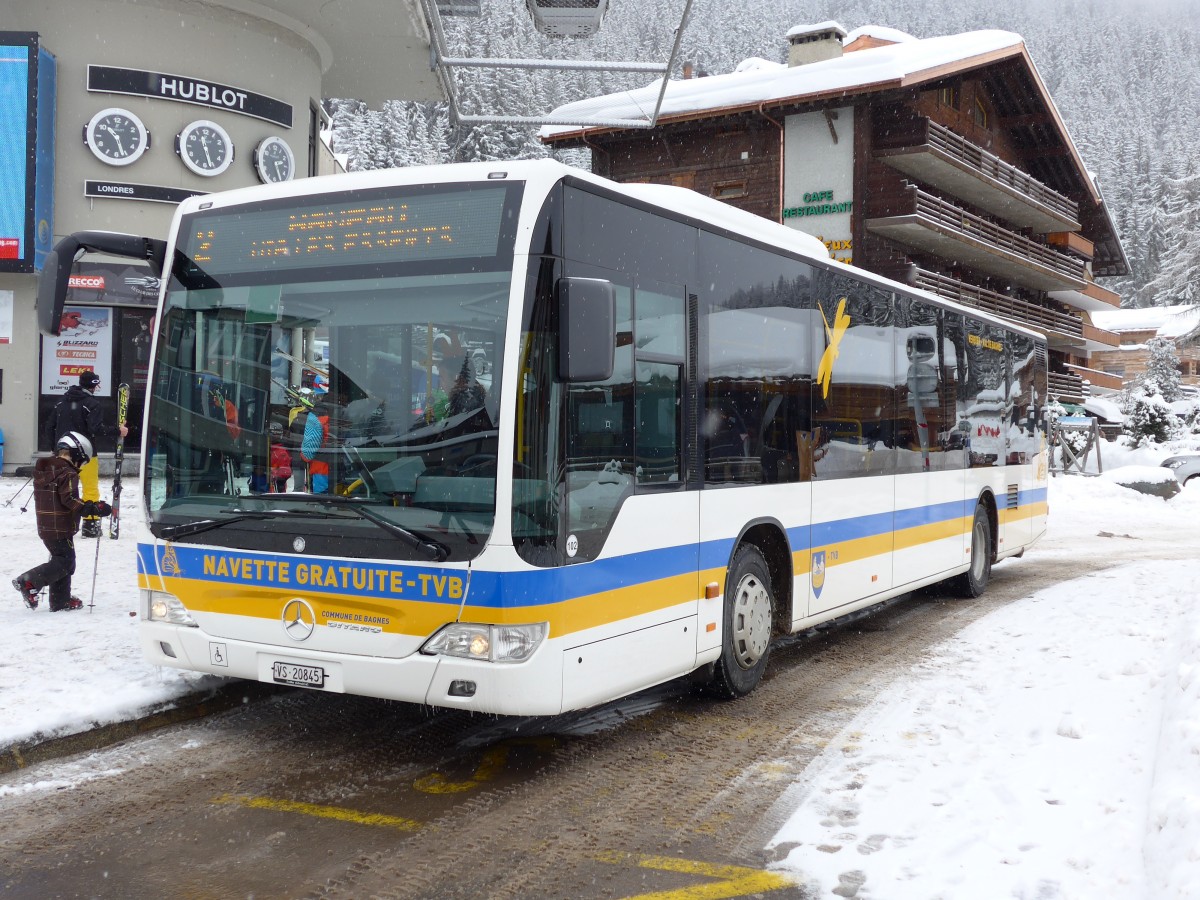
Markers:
(340, 577)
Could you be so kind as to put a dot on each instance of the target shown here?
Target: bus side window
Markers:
(600, 456)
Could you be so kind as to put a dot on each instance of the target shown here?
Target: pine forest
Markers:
(1125, 75)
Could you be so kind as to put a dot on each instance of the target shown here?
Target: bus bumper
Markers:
(533, 687)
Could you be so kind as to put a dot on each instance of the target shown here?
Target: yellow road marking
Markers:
(322, 812)
(490, 766)
(735, 881)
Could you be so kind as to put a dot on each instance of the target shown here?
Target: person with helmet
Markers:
(80, 411)
(59, 509)
(316, 437)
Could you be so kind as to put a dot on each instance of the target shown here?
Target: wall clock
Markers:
(205, 147)
(273, 160)
(116, 136)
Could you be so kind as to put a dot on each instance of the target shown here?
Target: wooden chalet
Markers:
(1135, 328)
(942, 163)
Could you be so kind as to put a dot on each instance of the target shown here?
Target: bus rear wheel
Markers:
(749, 613)
(974, 581)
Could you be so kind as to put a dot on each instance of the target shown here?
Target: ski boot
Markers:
(91, 528)
(27, 591)
(73, 603)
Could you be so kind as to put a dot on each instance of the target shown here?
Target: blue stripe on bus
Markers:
(516, 589)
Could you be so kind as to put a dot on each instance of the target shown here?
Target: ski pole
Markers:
(18, 492)
(95, 568)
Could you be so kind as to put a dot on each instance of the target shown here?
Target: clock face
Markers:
(273, 161)
(116, 136)
(205, 148)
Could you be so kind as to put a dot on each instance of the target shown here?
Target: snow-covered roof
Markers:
(879, 32)
(894, 64)
(1165, 321)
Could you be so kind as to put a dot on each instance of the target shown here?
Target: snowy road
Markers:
(812, 780)
(319, 795)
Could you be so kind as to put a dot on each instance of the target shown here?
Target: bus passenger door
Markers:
(854, 443)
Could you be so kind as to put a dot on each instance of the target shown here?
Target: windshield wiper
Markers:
(419, 542)
(175, 532)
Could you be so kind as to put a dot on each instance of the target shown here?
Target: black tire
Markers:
(973, 582)
(749, 615)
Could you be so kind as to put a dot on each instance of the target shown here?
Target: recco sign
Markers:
(200, 91)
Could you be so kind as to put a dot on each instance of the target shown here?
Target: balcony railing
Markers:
(1066, 388)
(1014, 195)
(1050, 321)
(917, 219)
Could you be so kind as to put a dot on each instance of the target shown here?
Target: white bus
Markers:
(570, 438)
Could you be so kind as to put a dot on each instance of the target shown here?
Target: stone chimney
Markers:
(814, 43)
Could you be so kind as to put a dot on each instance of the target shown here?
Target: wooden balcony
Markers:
(1097, 339)
(937, 156)
(1098, 378)
(1072, 242)
(1063, 331)
(1066, 388)
(917, 219)
(1092, 297)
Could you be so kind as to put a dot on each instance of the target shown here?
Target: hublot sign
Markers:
(136, 82)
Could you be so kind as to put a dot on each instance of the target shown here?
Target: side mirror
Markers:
(56, 272)
(587, 329)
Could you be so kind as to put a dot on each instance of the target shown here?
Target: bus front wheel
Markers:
(749, 613)
(974, 581)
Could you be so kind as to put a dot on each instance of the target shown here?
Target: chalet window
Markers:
(948, 96)
(729, 190)
(980, 114)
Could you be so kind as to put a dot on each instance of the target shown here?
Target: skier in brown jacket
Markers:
(56, 496)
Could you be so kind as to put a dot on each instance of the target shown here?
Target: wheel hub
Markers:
(751, 621)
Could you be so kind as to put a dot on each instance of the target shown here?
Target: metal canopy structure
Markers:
(453, 63)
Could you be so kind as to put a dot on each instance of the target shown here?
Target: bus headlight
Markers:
(164, 607)
(488, 643)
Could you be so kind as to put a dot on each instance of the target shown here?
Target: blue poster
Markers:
(14, 136)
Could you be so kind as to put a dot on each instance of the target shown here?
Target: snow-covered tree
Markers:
(1112, 67)
(1162, 368)
(1148, 417)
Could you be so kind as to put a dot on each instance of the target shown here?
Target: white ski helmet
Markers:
(79, 447)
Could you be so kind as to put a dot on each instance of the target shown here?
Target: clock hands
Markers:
(117, 135)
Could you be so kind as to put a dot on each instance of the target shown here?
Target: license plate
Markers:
(302, 676)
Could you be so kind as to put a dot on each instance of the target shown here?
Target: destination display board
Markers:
(398, 225)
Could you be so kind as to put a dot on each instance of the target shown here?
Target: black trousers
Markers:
(57, 572)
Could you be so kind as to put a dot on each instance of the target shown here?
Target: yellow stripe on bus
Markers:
(418, 618)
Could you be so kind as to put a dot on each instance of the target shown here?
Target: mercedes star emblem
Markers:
(299, 620)
(298, 545)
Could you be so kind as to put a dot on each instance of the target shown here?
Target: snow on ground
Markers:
(1051, 750)
(65, 672)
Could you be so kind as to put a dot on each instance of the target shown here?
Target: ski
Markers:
(114, 520)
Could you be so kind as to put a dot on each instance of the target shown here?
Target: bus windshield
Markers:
(327, 373)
